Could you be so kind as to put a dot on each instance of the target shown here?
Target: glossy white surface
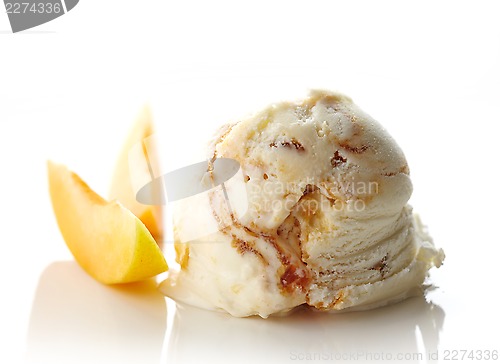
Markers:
(75, 319)
(70, 89)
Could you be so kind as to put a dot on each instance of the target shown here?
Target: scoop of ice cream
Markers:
(326, 224)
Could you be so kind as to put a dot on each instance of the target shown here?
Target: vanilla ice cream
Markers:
(327, 222)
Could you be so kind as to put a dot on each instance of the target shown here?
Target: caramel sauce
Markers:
(294, 279)
(355, 150)
(337, 159)
(293, 143)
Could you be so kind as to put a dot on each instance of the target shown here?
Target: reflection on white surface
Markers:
(409, 329)
(75, 319)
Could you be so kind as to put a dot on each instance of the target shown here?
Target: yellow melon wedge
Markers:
(106, 239)
(137, 161)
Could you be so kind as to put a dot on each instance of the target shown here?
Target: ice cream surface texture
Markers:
(326, 223)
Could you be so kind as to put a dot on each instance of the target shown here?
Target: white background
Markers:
(70, 89)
